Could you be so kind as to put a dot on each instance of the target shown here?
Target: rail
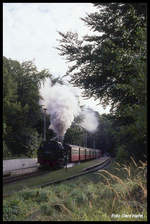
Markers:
(92, 169)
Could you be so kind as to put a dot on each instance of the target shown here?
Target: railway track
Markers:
(85, 171)
(11, 179)
(18, 177)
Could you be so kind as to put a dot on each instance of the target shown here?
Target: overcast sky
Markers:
(30, 33)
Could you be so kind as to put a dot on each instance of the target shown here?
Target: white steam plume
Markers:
(89, 120)
(63, 106)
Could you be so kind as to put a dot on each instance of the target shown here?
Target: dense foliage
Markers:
(21, 110)
(110, 65)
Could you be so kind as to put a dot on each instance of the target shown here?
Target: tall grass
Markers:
(119, 190)
(128, 186)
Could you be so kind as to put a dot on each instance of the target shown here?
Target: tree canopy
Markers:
(102, 63)
(21, 109)
(110, 64)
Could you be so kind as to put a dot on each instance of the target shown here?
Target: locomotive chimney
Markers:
(44, 124)
(60, 139)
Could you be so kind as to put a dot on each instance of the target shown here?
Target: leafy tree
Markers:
(110, 65)
(21, 110)
(104, 61)
(75, 135)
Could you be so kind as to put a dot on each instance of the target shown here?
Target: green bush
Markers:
(122, 154)
(28, 194)
(33, 144)
(6, 152)
(12, 209)
(79, 196)
(46, 209)
(36, 195)
(70, 203)
(42, 197)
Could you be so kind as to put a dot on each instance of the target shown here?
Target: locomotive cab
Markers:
(51, 154)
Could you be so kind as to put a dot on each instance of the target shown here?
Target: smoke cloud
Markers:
(62, 103)
(89, 120)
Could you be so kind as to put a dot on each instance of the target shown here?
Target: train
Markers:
(55, 154)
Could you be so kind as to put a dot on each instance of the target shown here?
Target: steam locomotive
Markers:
(54, 154)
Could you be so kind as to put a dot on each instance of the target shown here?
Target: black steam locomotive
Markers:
(55, 154)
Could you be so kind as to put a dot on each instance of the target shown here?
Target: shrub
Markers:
(42, 197)
(28, 194)
(79, 196)
(12, 209)
(46, 209)
(6, 152)
(122, 154)
(70, 203)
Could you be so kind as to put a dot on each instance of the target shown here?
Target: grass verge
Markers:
(116, 194)
(32, 182)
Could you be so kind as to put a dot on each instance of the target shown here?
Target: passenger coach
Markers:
(77, 153)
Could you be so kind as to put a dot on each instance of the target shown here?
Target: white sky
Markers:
(30, 33)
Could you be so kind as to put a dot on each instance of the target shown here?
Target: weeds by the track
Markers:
(49, 176)
(116, 194)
